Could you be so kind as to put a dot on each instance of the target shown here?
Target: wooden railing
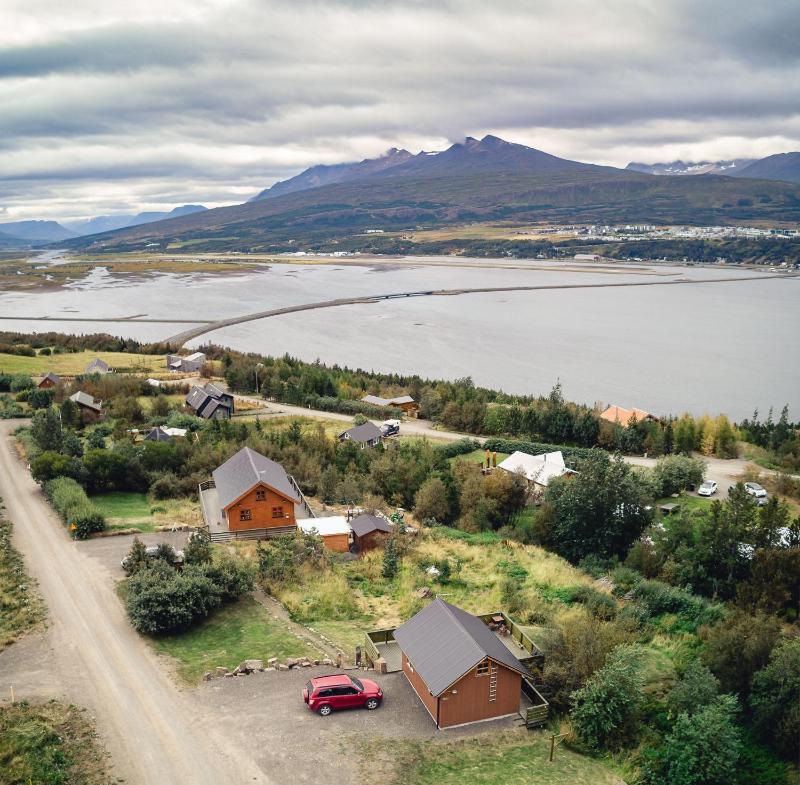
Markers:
(251, 534)
(303, 502)
(519, 636)
(538, 713)
(207, 485)
(371, 638)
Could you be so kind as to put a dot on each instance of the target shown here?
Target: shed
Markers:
(370, 531)
(91, 410)
(97, 366)
(367, 434)
(334, 530)
(48, 381)
(458, 667)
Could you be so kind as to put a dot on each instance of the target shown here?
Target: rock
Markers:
(230, 675)
(272, 662)
(252, 665)
(207, 676)
(327, 661)
(282, 667)
(220, 671)
(316, 662)
(291, 662)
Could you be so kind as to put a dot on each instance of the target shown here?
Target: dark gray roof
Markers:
(401, 399)
(97, 364)
(366, 432)
(158, 435)
(443, 643)
(367, 523)
(197, 397)
(52, 377)
(216, 392)
(244, 471)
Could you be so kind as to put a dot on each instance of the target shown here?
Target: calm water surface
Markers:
(724, 346)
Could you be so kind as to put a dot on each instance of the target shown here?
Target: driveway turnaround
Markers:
(153, 731)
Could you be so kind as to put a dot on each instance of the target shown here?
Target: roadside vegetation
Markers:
(21, 607)
(49, 743)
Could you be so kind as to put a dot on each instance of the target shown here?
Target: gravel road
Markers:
(153, 731)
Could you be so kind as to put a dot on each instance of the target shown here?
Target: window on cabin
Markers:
(245, 515)
(277, 512)
(482, 669)
(261, 495)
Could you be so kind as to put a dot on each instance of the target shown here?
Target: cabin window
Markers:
(245, 515)
(277, 512)
(261, 495)
(482, 669)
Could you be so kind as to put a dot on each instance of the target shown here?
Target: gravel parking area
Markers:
(110, 551)
(296, 745)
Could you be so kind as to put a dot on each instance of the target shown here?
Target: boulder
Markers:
(291, 662)
(220, 671)
(272, 662)
(207, 676)
(282, 667)
(327, 661)
(270, 669)
(252, 665)
(316, 662)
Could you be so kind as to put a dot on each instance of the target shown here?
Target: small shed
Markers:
(97, 366)
(158, 434)
(367, 435)
(334, 530)
(370, 531)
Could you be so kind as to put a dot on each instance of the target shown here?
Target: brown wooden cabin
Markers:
(369, 532)
(91, 411)
(49, 381)
(458, 667)
(254, 493)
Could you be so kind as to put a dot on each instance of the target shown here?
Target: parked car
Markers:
(754, 489)
(390, 428)
(708, 488)
(325, 694)
(152, 552)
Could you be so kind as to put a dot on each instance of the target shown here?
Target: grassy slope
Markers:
(51, 744)
(21, 607)
(72, 364)
(511, 758)
(243, 630)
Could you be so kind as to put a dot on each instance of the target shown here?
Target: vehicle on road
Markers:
(754, 489)
(152, 553)
(390, 428)
(325, 694)
(708, 488)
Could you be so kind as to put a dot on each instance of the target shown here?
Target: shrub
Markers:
(674, 473)
(606, 710)
(167, 486)
(697, 688)
(661, 598)
(198, 548)
(233, 576)
(49, 465)
(74, 507)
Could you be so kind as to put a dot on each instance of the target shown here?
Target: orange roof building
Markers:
(621, 416)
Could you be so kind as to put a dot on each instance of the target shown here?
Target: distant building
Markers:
(97, 366)
(367, 435)
(538, 470)
(588, 257)
(405, 402)
(192, 364)
(49, 380)
(210, 402)
(91, 410)
(621, 416)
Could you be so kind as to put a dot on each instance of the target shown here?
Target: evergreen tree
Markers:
(389, 569)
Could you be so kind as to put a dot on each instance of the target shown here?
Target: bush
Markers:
(233, 576)
(49, 465)
(606, 710)
(572, 455)
(697, 688)
(161, 600)
(661, 598)
(674, 473)
(74, 507)
(167, 486)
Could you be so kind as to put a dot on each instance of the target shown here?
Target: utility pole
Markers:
(258, 365)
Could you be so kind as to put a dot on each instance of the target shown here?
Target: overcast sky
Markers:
(112, 106)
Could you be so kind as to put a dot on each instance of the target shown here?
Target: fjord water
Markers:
(702, 348)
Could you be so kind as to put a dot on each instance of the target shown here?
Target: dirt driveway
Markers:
(298, 746)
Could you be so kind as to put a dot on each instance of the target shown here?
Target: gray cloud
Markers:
(148, 104)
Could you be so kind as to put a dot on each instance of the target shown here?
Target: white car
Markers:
(754, 489)
(708, 488)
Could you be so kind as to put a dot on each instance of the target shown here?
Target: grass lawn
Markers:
(125, 510)
(243, 630)
(345, 634)
(49, 743)
(73, 364)
(511, 758)
(21, 607)
(687, 503)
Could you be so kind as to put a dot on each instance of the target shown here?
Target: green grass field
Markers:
(125, 510)
(687, 503)
(243, 630)
(511, 758)
(73, 364)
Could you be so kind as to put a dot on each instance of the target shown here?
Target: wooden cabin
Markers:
(458, 667)
(49, 380)
(90, 410)
(369, 532)
(334, 530)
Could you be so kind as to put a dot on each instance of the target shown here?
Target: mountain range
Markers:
(22, 233)
(478, 180)
(782, 166)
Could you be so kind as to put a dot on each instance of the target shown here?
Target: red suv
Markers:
(326, 693)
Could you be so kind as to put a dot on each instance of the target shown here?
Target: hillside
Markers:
(783, 166)
(109, 223)
(481, 180)
(730, 168)
(36, 231)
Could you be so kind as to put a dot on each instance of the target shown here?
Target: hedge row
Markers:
(330, 404)
(73, 505)
(571, 454)
(461, 447)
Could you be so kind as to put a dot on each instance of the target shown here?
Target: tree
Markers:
(601, 510)
(198, 548)
(49, 464)
(46, 430)
(431, 501)
(702, 748)
(160, 406)
(775, 699)
(328, 481)
(738, 647)
(606, 710)
(70, 414)
(389, 569)
(136, 559)
(673, 473)
(696, 689)
(774, 582)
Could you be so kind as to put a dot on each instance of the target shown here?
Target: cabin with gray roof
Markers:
(461, 671)
(370, 531)
(49, 380)
(97, 366)
(210, 402)
(90, 409)
(367, 435)
(250, 493)
(192, 363)
(404, 402)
